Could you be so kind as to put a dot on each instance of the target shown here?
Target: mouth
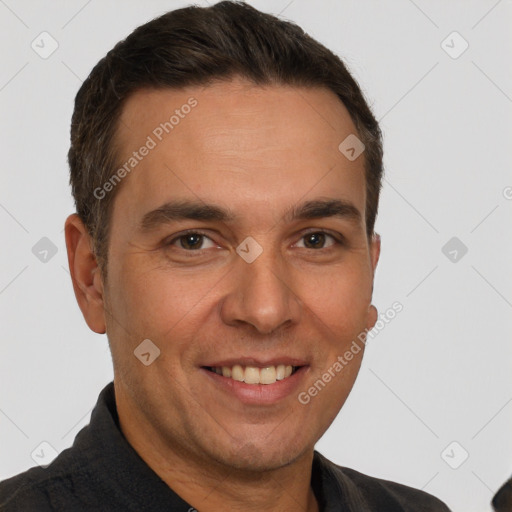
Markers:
(256, 380)
(248, 374)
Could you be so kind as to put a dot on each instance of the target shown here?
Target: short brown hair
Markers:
(196, 46)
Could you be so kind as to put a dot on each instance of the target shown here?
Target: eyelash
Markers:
(338, 238)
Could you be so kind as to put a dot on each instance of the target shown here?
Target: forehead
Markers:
(235, 144)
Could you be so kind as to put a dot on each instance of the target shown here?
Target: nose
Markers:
(261, 295)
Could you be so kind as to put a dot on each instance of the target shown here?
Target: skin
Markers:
(258, 151)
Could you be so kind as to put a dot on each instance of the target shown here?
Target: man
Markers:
(226, 171)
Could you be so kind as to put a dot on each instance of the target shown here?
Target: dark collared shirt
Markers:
(102, 472)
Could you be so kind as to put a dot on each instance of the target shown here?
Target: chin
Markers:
(262, 456)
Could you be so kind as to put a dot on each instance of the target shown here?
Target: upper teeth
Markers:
(255, 375)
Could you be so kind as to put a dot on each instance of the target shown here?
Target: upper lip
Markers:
(257, 362)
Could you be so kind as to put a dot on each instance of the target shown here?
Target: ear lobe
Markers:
(372, 317)
(85, 273)
(373, 314)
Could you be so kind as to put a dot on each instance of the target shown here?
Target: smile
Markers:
(255, 374)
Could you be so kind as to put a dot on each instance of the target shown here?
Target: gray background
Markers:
(439, 372)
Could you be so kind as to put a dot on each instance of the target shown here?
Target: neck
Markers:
(211, 489)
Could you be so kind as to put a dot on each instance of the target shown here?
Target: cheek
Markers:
(340, 298)
(155, 305)
(160, 303)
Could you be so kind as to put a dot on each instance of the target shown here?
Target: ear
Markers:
(85, 273)
(375, 252)
(374, 258)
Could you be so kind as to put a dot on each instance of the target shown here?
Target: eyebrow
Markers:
(196, 210)
(181, 210)
(322, 208)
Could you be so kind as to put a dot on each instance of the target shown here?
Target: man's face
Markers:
(258, 157)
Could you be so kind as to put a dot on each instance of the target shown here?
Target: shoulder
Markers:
(66, 483)
(383, 494)
(502, 500)
(26, 491)
(45, 489)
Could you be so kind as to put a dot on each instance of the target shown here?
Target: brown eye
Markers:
(192, 241)
(317, 240)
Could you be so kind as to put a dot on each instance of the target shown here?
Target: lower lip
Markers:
(262, 394)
